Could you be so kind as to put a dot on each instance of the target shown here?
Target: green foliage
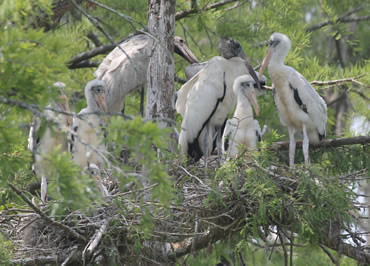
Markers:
(142, 141)
(6, 251)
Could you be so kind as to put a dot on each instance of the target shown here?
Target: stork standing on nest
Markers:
(241, 129)
(299, 106)
(125, 68)
(46, 135)
(207, 98)
(87, 140)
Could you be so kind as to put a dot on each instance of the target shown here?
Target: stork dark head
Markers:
(229, 48)
(183, 50)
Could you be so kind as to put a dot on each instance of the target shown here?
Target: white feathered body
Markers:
(198, 97)
(89, 131)
(241, 129)
(285, 79)
(123, 74)
(52, 137)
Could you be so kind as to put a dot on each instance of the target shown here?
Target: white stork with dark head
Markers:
(300, 107)
(242, 128)
(125, 71)
(206, 100)
(44, 136)
(88, 127)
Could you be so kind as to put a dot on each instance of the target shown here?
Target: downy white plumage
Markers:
(46, 135)
(242, 129)
(300, 107)
(87, 140)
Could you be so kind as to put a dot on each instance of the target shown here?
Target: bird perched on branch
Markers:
(46, 135)
(242, 128)
(299, 106)
(87, 139)
(205, 101)
(125, 68)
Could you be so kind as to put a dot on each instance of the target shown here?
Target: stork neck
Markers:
(244, 110)
(92, 106)
(277, 59)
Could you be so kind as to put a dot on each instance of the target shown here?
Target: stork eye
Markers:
(271, 42)
(181, 40)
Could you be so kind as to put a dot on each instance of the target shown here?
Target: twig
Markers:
(45, 217)
(185, 13)
(338, 81)
(74, 249)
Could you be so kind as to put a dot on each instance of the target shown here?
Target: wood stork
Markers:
(94, 171)
(205, 101)
(300, 107)
(242, 129)
(46, 135)
(124, 72)
(87, 140)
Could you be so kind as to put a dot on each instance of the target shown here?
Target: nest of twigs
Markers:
(110, 232)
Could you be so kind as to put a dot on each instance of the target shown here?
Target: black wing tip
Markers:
(194, 151)
(298, 99)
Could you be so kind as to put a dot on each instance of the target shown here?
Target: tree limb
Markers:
(328, 143)
(343, 18)
(185, 13)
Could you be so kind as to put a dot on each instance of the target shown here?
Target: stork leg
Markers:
(44, 188)
(305, 147)
(206, 146)
(219, 143)
(142, 101)
(291, 146)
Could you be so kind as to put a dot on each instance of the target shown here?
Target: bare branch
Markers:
(185, 13)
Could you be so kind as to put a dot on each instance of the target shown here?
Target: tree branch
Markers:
(185, 13)
(343, 18)
(328, 143)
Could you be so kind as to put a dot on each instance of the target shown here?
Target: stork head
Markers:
(244, 87)
(62, 100)
(95, 94)
(92, 170)
(278, 48)
(229, 48)
(183, 50)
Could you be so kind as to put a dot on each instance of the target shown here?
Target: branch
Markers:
(185, 13)
(343, 18)
(328, 143)
(339, 81)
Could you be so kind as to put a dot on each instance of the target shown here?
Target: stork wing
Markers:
(309, 100)
(228, 134)
(115, 58)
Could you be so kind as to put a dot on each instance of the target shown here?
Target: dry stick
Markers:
(339, 81)
(74, 249)
(96, 239)
(45, 217)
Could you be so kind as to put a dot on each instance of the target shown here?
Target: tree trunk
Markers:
(160, 76)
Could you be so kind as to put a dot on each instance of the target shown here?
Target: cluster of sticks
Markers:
(177, 230)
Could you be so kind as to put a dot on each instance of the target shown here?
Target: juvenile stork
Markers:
(87, 140)
(299, 106)
(125, 71)
(205, 101)
(46, 135)
(242, 128)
